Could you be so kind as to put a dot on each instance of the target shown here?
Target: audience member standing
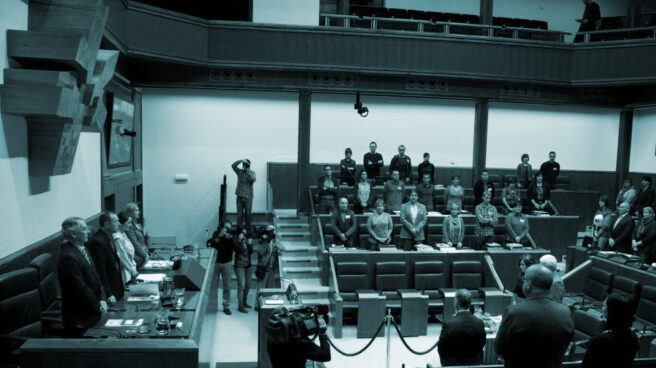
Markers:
(426, 168)
(347, 168)
(327, 187)
(483, 186)
(244, 192)
(124, 248)
(627, 194)
(402, 164)
(536, 332)
(137, 235)
(413, 220)
(224, 242)
(645, 196)
(618, 345)
(591, 15)
(557, 290)
(453, 228)
(344, 225)
(517, 227)
(380, 227)
(243, 270)
(463, 336)
(524, 172)
(550, 169)
(524, 263)
(105, 257)
(601, 225)
(373, 161)
(393, 193)
(426, 192)
(487, 217)
(539, 195)
(510, 196)
(454, 193)
(645, 239)
(363, 193)
(621, 230)
(82, 295)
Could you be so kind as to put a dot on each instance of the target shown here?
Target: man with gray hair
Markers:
(557, 290)
(137, 235)
(83, 298)
(621, 229)
(536, 332)
(463, 337)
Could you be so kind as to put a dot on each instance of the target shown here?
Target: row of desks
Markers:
(176, 349)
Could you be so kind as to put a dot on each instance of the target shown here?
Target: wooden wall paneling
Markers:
(279, 176)
(615, 64)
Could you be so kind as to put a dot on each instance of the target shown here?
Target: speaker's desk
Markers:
(177, 349)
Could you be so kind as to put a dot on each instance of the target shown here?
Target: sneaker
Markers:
(243, 310)
(227, 311)
(246, 305)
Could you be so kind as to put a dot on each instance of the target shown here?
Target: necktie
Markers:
(86, 255)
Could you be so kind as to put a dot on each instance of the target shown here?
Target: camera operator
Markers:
(268, 251)
(296, 352)
(223, 240)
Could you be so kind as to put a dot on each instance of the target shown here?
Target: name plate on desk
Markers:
(157, 265)
(514, 246)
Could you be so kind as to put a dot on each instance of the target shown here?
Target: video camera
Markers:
(287, 325)
(265, 233)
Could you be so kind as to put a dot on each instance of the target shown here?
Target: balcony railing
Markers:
(617, 34)
(441, 28)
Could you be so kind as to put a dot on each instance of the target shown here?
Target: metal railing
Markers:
(621, 33)
(442, 28)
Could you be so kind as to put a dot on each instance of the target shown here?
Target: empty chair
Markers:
(45, 268)
(390, 277)
(20, 311)
(467, 275)
(595, 289)
(646, 311)
(587, 325)
(351, 276)
(429, 279)
(626, 286)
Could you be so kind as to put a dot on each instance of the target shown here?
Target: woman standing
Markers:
(124, 248)
(601, 226)
(454, 193)
(510, 196)
(524, 172)
(453, 228)
(363, 194)
(524, 263)
(380, 227)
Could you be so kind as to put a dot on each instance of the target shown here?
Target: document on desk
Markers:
(157, 264)
(151, 277)
(124, 322)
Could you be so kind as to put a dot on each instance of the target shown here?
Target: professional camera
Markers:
(286, 325)
(265, 233)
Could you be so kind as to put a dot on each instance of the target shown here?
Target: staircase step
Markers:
(294, 227)
(285, 213)
(299, 261)
(300, 272)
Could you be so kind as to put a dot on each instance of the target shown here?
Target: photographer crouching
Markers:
(290, 333)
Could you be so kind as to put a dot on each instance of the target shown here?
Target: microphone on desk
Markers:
(292, 291)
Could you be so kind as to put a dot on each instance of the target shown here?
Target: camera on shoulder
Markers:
(302, 322)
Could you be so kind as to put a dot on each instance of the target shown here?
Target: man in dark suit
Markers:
(482, 186)
(105, 257)
(83, 298)
(463, 336)
(536, 332)
(621, 230)
(343, 224)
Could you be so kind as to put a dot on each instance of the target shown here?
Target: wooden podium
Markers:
(371, 311)
(414, 313)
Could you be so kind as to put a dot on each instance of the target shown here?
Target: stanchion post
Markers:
(388, 320)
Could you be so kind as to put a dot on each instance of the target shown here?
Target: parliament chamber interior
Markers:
(327, 183)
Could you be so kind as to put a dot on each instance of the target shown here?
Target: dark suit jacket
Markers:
(346, 227)
(326, 191)
(622, 233)
(406, 221)
(462, 340)
(479, 190)
(535, 333)
(81, 289)
(107, 264)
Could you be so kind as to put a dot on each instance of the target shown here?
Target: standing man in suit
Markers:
(83, 298)
(137, 235)
(344, 224)
(550, 169)
(621, 230)
(373, 161)
(463, 337)
(536, 332)
(327, 187)
(105, 257)
(483, 186)
(413, 219)
(244, 192)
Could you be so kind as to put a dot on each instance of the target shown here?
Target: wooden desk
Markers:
(178, 349)
(371, 311)
(414, 309)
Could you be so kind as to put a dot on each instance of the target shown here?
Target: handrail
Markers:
(321, 237)
(584, 265)
(532, 241)
(586, 34)
(311, 211)
(447, 25)
(490, 265)
(333, 276)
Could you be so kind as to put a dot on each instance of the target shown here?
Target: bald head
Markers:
(549, 262)
(539, 276)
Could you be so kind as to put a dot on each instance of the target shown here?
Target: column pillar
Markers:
(480, 138)
(623, 148)
(487, 7)
(303, 164)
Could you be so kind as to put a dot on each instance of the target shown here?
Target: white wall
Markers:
(201, 133)
(444, 6)
(583, 138)
(295, 12)
(443, 128)
(643, 141)
(32, 208)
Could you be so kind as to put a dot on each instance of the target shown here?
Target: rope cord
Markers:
(361, 350)
(398, 330)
